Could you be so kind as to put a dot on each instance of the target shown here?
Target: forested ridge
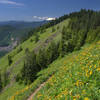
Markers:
(83, 28)
(37, 52)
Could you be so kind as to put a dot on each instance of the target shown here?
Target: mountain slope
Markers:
(62, 49)
(18, 57)
(76, 76)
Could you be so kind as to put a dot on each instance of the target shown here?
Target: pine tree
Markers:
(30, 68)
(9, 60)
(62, 45)
(53, 29)
(41, 59)
(36, 38)
(58, 27)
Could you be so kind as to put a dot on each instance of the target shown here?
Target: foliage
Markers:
(53, 29)
(81, 30)
(19, 49)
(9, 60)
(78, 77)
(73, 38)
(36, 38)
(36, 62)
(75, 76)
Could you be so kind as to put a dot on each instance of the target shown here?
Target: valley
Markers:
(8, 48)
(13, 32)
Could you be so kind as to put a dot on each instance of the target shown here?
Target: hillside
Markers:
(19, 56)
(76, 76)
(64, 52)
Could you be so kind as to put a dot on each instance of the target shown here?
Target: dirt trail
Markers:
(38, 89)
(31, 97)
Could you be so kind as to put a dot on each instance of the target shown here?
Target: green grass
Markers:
(78, 77)
(74, 77)
(19, 57)
(42, 77)
(67, 76)
(27, 44)
(6, 95)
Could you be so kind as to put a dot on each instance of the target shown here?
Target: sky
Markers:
(36, 10)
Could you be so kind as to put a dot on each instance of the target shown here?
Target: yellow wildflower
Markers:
(86, 98)
(91, 72)
(79, 83)
(39, 95)
(95, 66)
(90, 66)
(98, 69)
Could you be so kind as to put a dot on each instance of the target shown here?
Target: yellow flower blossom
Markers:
(79, 83)
(91, 72)
(39, 95)
(86, 98)
(90, 66)
(95, 66)
(98, 69)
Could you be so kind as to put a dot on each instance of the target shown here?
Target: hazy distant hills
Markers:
(14, 30)
(22, 24)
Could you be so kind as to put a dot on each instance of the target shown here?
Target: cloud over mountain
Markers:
(44, 18)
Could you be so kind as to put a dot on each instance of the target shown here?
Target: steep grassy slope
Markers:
(74, 77)
(77, 79)
(18, 57)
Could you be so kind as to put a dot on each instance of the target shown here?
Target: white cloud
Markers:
(44, 18)
(10, 2)
(51, 19)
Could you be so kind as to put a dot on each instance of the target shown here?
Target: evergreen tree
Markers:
(30, 68)
(53, 29)
(62, 45)
(41, 59)
(51, 53)
(58, 27)
(36, 38)
(9, 60)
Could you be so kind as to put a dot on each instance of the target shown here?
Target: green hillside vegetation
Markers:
(18, 55)
(78, 77)
(66, 50)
